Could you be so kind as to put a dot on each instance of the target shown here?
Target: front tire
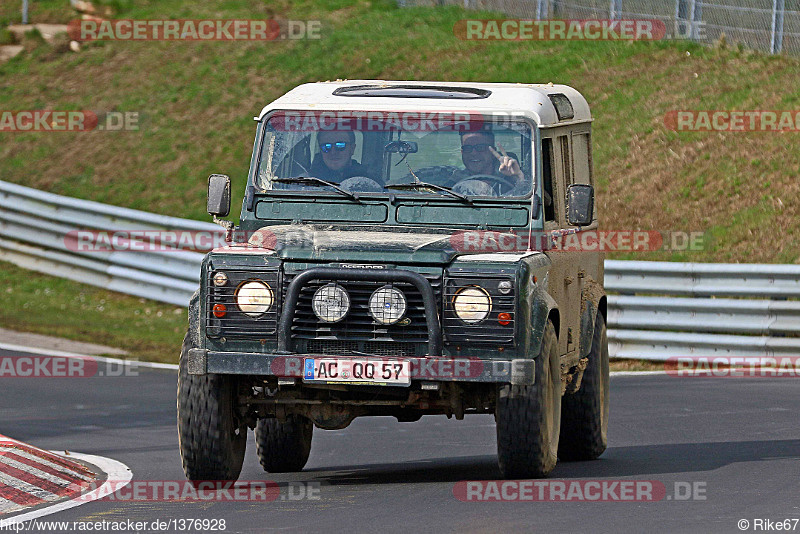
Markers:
(284, 447)
(584, 414)
(528, 417)
(212, 443)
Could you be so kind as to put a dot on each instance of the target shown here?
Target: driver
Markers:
(337, 163)
(480, 156)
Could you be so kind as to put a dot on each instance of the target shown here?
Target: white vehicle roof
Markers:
(533, 101)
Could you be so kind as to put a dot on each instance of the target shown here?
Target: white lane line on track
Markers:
(63, 354)
(118, 474)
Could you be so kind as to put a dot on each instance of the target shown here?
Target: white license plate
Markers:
(360, 371)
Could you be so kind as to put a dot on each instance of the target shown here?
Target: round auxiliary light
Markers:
(220, 279)
(254, 298)
(331, 303)
(472, 304)
(387, 305)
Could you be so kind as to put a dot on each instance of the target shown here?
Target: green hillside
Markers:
(197, 100)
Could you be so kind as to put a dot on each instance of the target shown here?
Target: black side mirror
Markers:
(219, 195)
(580, 204)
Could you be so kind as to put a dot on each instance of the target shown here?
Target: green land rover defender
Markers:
(395, 257)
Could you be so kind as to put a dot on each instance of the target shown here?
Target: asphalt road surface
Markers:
(724, 449)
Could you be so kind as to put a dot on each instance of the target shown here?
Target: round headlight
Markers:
(254, 298)
(472, 304)
(387, 305)
(331, 303)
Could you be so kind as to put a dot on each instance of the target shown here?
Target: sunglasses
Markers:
(481, 147)
(340, 146)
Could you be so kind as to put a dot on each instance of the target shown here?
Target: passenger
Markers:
(480, 157)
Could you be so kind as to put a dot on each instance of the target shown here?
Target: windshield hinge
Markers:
(250, 199)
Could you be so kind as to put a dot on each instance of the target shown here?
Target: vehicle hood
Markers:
(294, 242)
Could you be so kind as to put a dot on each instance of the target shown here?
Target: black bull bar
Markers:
(362, 275)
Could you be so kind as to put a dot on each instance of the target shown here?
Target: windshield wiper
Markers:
(318, 182)
(418, 184)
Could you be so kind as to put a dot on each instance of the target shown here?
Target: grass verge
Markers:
(57, 307)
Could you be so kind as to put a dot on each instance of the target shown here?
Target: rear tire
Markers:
(211, 443)
(528, 417)
(284, 447)
(584, 414)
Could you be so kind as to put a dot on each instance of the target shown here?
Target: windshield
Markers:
(400, 153)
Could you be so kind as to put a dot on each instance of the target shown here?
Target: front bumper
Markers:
(428, 369)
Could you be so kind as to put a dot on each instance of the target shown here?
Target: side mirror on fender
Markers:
(219, 195)
(580, 204)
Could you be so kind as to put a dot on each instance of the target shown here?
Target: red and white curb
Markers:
(32, 477)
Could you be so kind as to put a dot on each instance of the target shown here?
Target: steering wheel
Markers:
(494, 179)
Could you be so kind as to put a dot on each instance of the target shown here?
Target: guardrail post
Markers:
(615, 9)
(682, 26)
(691, 19)
(697, 21)
(776, 30)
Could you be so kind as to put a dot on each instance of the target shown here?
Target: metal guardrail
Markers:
(757, 319)
(662, 309)
(35, 229)
(703, 279)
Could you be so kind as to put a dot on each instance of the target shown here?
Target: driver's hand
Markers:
(508, 165)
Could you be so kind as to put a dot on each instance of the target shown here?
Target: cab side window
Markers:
(582, 157)
(547, 180)
(566, 159)
(582, 161)
(562, 174)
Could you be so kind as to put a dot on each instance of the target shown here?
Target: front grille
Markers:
(359, 348)
(236, 323)
(358, 325)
